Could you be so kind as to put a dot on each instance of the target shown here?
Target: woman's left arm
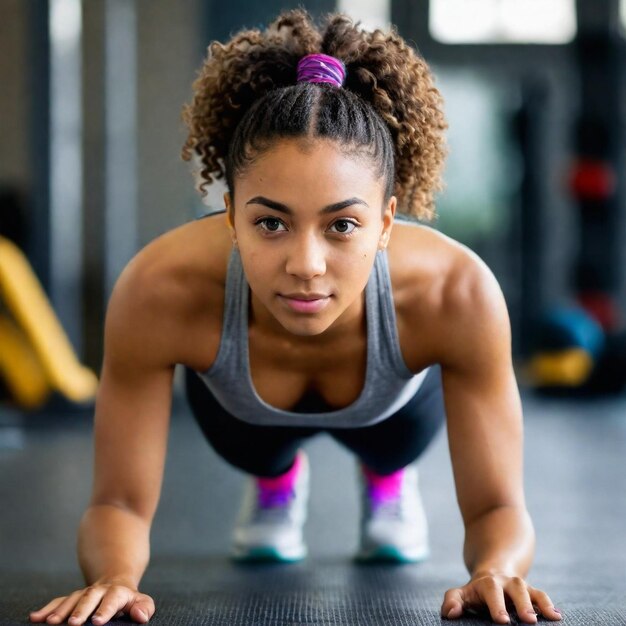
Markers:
(485, 433)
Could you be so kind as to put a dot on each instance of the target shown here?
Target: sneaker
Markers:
(272, 516)
(393, 522)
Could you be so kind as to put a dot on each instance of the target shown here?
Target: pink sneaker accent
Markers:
(383, 488)
(277, 490)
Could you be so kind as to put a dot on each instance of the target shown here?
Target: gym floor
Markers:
(575, 486)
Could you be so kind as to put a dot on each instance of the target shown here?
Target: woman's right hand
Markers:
(107, 599)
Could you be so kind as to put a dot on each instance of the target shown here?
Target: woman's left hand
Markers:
(491, 593)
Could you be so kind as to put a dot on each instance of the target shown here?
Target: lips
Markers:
(305, 302)
(305, 296)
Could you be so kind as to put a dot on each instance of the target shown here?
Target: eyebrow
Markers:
(331, 208)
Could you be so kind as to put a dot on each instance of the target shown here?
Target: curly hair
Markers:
(246, 96)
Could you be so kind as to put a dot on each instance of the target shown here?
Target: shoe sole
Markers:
(391, 554)
(268, 554)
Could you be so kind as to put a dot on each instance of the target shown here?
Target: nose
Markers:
(307, 258)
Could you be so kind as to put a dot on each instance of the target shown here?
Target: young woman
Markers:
(311, 306)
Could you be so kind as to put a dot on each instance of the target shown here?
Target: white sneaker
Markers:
(393, 521)
(272, 516)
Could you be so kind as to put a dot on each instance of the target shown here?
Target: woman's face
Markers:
(308, 221)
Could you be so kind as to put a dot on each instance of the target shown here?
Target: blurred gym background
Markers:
(90, 171)
(91, 134)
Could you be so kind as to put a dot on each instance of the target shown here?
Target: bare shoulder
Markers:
(444, 295)
(172, 291)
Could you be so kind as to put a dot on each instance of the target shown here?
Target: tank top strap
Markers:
(230, 340)
(388, 319)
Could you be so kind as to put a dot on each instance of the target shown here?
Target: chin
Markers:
(303, 325)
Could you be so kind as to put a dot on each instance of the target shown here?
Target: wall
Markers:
(169, 52)
(14, 96)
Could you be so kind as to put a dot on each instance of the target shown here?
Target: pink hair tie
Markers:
(321, 68)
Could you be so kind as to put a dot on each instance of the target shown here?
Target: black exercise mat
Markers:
(213, 591)
(575, 485)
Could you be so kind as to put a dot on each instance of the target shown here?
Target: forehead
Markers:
(314, 167)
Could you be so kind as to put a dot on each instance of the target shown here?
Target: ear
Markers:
(229, 209)
(388, 217)
(229, 217)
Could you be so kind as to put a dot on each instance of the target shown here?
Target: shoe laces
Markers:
(389, 509)
(272, 505)
(273, 498)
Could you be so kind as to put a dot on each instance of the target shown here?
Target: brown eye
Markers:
(270, 224)
(343, 227)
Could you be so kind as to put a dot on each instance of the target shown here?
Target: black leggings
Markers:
(270, 450)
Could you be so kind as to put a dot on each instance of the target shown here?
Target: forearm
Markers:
(113, 544)
(501, 541)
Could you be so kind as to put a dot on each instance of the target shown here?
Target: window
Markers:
(483, 168)
(503, 21)
(371, 13)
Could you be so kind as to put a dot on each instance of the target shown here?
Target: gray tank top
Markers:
(389, 384)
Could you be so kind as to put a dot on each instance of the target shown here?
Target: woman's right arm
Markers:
(130, 440)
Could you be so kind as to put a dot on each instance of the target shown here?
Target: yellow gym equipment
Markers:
(36, 357)
(568, 368)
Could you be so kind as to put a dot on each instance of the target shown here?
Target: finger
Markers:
(140, 614)
(142, 609)
(452, 606)
(493, 596)
(104, 619)
(112, 604)
(85, 606)
(55, 616)
(44, 611)
(517, 590)
(544, 605)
